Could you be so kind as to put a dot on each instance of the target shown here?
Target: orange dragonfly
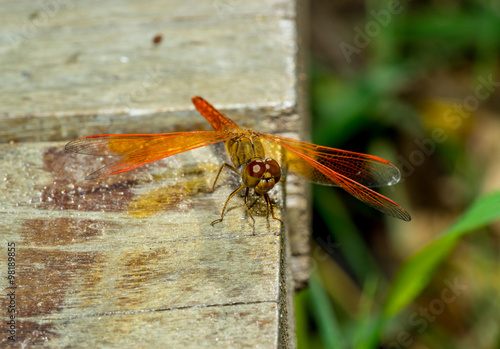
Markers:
(353, 172)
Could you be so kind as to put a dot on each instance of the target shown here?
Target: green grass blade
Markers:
(302, 332)
(325, 317)
(418, 269)
(365, 334)
(345, 232)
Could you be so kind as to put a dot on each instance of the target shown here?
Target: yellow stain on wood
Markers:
(165, 198)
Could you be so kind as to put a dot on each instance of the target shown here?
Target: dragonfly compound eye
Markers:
(271, 174)
(256, 168)
(274, 169)
(261, 174)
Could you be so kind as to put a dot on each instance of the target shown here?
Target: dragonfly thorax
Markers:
(244, 148)
(261, 174)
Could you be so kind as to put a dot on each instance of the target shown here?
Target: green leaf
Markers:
(345, 232)
(325, 317)
(365, 334)
(302, 332)
(418, 269)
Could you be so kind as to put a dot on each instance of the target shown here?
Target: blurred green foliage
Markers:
(391, 284)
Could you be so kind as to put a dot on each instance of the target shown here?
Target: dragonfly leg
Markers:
(217, 177)
(270, 206)
(246, 206)
(225, 204)
(255, 201)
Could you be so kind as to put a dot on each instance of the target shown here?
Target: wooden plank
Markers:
(91, 66)
(226, 326)
(122, 248)
(138, 248)
(78, 68)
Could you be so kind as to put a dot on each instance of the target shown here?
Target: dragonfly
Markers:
(354, 172)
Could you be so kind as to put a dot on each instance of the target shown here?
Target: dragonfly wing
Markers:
(367, 170)
(330, 166)
(218, 120)
(372, 198)
(137, 150)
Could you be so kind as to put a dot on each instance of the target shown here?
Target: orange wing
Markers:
(349, 170)
(367, 170)
(218, 120)
(137, 150)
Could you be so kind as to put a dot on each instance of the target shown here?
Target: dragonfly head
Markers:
(261, 175)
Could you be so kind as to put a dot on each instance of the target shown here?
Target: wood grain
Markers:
(132, 260)
(133, 248)
(92, 66)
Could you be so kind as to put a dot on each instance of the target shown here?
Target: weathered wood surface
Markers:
(132, 260)
(76, 68)
(72, 69)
